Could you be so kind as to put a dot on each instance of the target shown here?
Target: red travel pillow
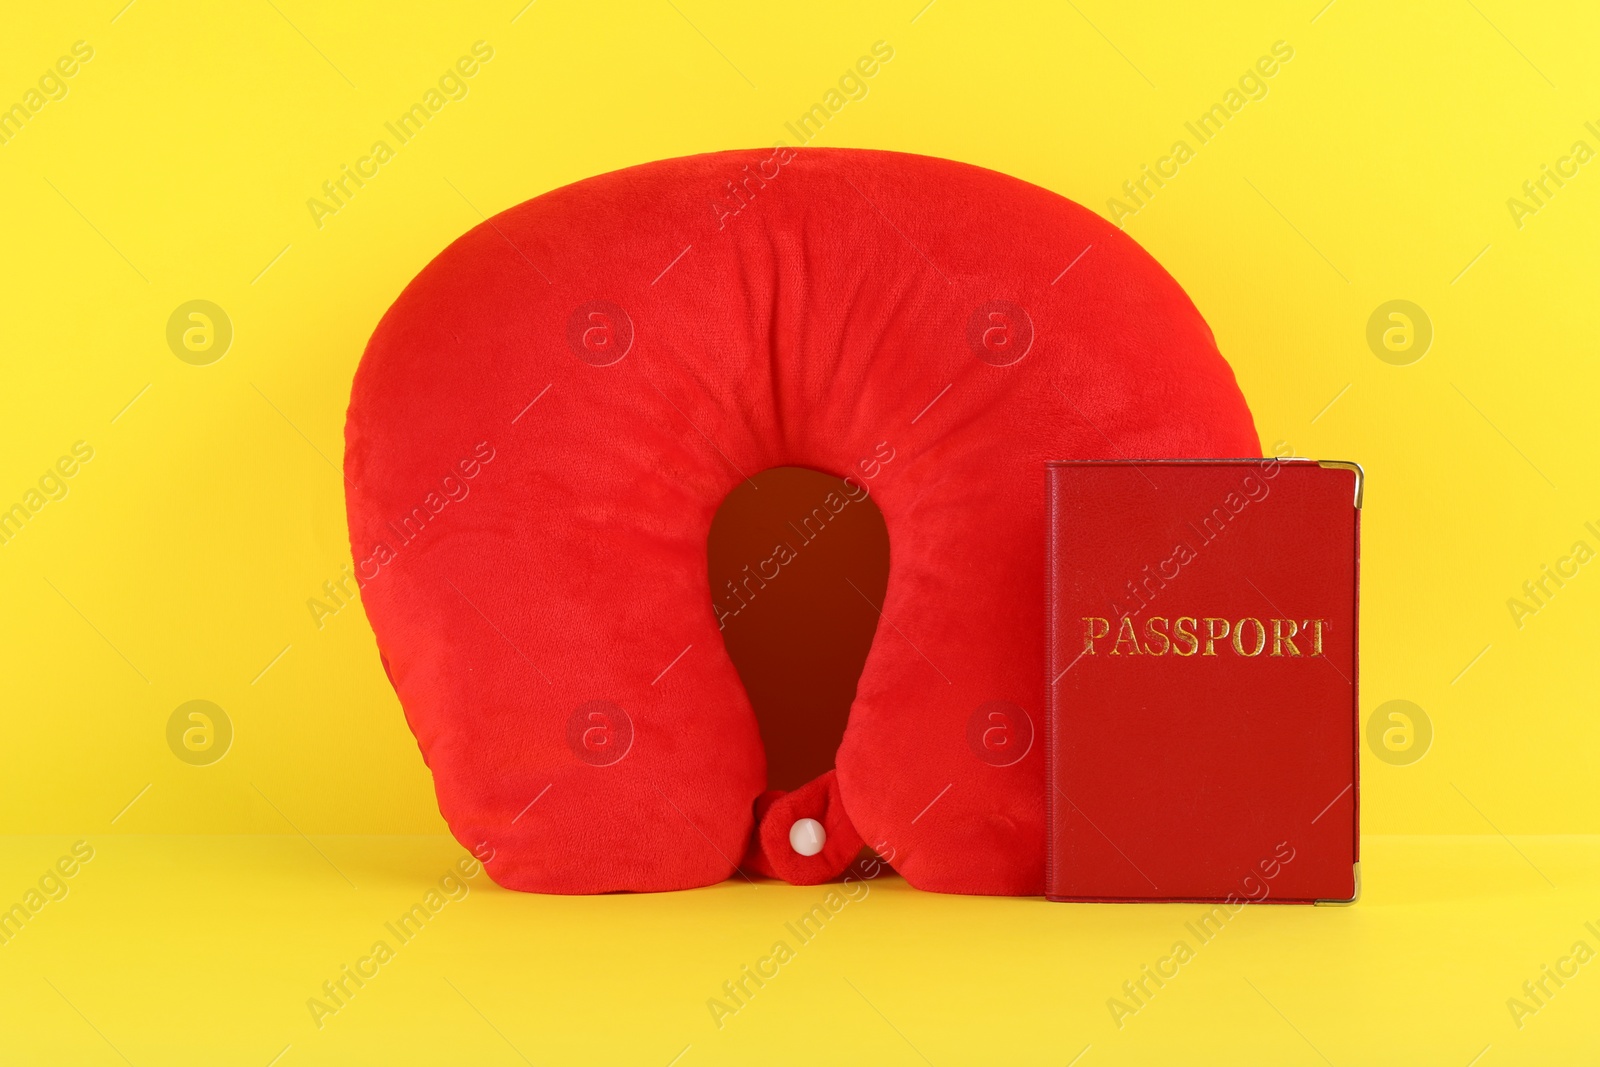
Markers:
(548, 417)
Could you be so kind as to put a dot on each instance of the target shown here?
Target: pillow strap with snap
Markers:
(803, 836)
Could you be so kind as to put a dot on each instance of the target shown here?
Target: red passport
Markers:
(1202, 718)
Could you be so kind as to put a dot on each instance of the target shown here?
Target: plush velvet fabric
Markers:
(546, 420)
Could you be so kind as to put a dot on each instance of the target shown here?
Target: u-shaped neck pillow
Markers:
(546, 420)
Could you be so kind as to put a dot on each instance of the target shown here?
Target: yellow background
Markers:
(179, 564)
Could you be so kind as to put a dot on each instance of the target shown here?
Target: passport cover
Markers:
(1202, 718)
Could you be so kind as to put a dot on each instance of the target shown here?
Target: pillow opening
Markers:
(798, 561)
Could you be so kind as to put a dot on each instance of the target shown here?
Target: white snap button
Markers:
(807, 837)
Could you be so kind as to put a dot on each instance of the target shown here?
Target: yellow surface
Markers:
(206, 950)
(176, 563)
